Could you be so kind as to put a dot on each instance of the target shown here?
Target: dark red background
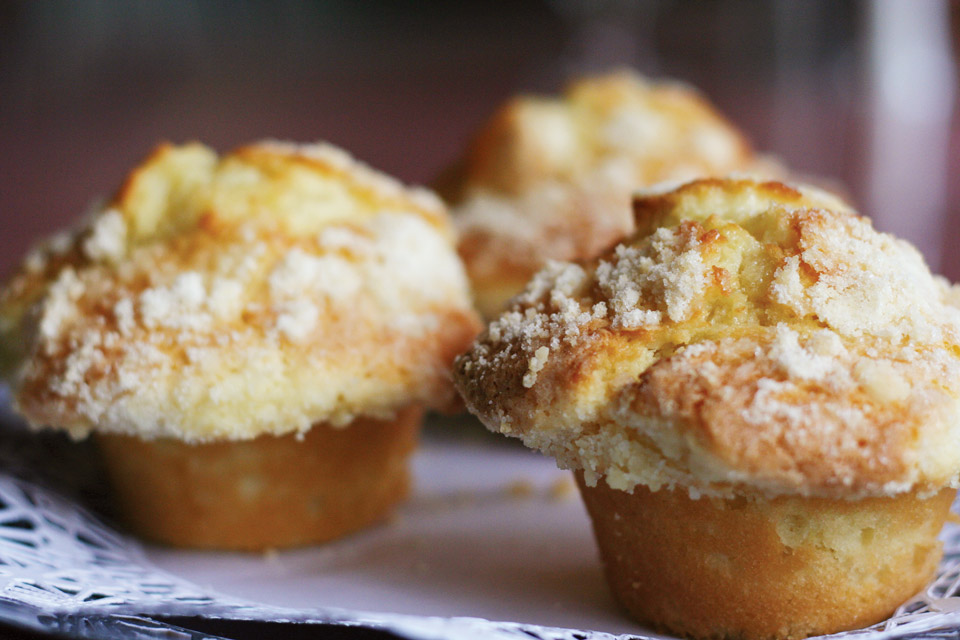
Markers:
(86, 89)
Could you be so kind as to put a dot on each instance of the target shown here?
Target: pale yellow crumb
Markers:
(225, 297)
(550, 177)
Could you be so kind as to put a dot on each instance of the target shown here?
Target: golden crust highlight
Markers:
(225, 298)
(749, 334)
(551, 178)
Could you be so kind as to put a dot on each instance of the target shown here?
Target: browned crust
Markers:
(707, 396)
(253, 218)
(824, 382)
(274, 158)
(508, 158)
(502, 157)
(654, 210)
(497, 157)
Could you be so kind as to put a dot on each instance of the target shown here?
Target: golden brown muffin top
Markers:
(748, 334)
(222, 298)
(551, 178)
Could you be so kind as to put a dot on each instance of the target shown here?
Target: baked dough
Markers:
(749, 334)
(251, 339)
(760, 397)
(552, 178)
(224, 298)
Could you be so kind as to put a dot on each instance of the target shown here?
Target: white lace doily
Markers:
(62, 569)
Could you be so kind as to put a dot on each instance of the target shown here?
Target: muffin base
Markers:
(265, 493)
(754, 568)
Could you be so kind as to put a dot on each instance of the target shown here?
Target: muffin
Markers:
(552, 178)
(250, 339)
(760, 397)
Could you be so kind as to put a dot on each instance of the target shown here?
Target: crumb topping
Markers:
(552, 178)
(107, 241)
(231, 313)
(758, 339)
(668, 271)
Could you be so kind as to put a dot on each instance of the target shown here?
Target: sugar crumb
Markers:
(537, 362)
(60, 305)
(781, 345)
(799, 362)
(108, 237)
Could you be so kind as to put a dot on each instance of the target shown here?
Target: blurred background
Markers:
(861, 91)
